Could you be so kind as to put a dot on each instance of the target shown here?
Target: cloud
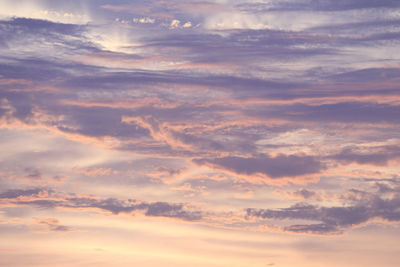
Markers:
(347, 112)
(144, 20)
(187, 25)
(168, 10)
(96, 171)
(48, 10)
(113, 205)
(15, 193)
(333, 219)
(306, 194)
(174, 24)
(41, 36)
(380, 157)
(368, 75)
(317, 5)
(174, 211)
(251, 45)
(52, 224)
(314, 88)
(273, 167)
(156, 209)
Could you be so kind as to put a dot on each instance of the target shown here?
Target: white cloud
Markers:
(174, 24)
(187, 25)
(144, 20)
(38, 10)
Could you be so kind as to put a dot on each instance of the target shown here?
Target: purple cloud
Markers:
(113, 205)
(380, 157)
(274, 167)
(15, 193)
(333, 219)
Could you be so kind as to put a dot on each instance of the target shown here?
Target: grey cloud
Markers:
(116, 206)
(207, 142)
(60, 228)
(110, 204)
(312, 228)
(33, 173)
(379, 157)
(53, 225)
(89, 122)
(306, 194)
(333, 219)
(274, 167)
(20, 105)
(42, 203)
(159, 209)
(15, 193)
(175, 211)
(384, 188)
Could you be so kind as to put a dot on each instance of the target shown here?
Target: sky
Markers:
(200, 133)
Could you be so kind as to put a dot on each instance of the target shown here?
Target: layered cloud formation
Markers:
(275, 123)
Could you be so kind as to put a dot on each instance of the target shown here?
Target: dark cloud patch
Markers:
(15, 193)
(174, 211)
(306, 194)
(333, 219)
(113, 205)
(384, 188)
(312, 228)
(158, 209)
(274, 167)
(380, 157)
(34, 174)
(60, 228)
(19, 106)
(53, 225)
(42, 203)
